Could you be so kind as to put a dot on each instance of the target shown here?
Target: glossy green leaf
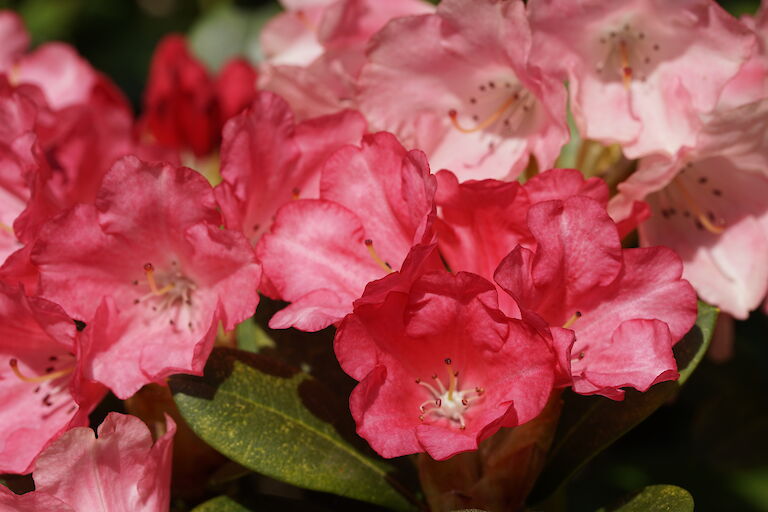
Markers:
(589, 424)
(282, 423)
(220, 504)
(658, 498)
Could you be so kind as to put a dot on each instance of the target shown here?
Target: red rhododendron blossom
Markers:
(627, 307)
(640, 71)
(440, 367)
(267, 160)
(480, 222)
(148, 269)
(184, 107)
(314, 52)
(42, 393)
(376, 202)
(121, 470)
(460, 86)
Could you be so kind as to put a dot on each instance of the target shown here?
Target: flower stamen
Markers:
(380, 262)
(702, 217)
(14, 364)
(149, 270)
(572, 320)
(495, 116)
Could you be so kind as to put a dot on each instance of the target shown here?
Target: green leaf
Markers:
(220, 504)
(276, 421)
(659, 498)
(589, 424)
(251, 337)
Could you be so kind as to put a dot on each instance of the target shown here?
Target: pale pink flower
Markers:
(120, 471)
(640, 72)
(460, 85)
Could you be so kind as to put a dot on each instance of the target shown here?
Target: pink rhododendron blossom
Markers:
(314, 53)
(42, 393)
(460, 86)
(120, 470)
(148, 269)
(440, 367)
(19, 159)
(709, 204)
(14, 39)
(376, 202)
(80, 143)
(267, 159)
(640, 71)
(627, 307)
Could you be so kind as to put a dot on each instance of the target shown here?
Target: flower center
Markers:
(449, 402)
(50, 385)
(503, 104)
(169, 292)
(628, 55)
(696, 195)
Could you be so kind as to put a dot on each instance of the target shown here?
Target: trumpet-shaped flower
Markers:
(42, 392)
(440, 367)
(121, 469)
(268, 160)
(460, 85)
(148, 269)
(640, 72)
(376, 202)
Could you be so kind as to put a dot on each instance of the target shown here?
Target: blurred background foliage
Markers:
(713, 440)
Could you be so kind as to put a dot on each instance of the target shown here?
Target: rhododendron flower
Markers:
(440, 367)
(314, 51)
(709, 204)
(640, 71)
(73, 125)
(18, 160)
(267, 160)
(552, 247)
(627, 307)
(376, 202)
(184, 108)
(480, 222)
(460, 86)
(42, 393)
(148, 269)
(120, 470)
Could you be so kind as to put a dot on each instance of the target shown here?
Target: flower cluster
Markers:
(384, 171)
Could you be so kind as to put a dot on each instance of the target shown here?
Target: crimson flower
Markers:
(440, 366)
